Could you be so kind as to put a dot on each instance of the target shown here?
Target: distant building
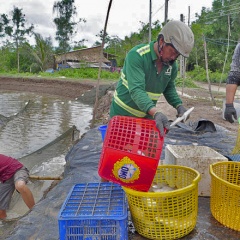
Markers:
(86, 57)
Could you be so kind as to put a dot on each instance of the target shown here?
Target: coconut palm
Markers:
(41, 54)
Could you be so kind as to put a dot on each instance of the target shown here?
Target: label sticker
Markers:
(126, 170)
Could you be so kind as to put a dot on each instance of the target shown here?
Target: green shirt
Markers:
(140, 86)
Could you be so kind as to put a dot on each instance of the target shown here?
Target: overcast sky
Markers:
(125, 15)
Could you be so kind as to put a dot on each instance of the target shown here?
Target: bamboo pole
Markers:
(100, 65)
(44, 177)
(206, 63)
(229, 34)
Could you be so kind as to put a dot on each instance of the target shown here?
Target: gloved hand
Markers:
(230, 112)
(161, 122)
(180, 110)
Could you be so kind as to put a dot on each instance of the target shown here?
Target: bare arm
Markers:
(152, 111)
(230, 92)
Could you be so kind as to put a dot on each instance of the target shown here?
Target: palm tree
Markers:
(41, 54)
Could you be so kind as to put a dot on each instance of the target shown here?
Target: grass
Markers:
(68, 74)
(85, 74)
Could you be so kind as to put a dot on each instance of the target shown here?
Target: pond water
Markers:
(43, 120)
(35, 129)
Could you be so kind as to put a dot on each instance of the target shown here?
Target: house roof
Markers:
(92, 65)
(90, 55)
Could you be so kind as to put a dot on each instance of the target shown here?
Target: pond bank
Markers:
(61, 87)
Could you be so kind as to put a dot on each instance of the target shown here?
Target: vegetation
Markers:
(40, 56)
(90, 73)
(83, 73)
(78, 74)
(65, 23)
(15, 28)
(217, 27)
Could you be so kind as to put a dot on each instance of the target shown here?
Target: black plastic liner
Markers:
(82, 166)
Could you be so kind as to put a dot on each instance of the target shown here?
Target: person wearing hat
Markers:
(150, 70)
(233, 81)
(13, 175)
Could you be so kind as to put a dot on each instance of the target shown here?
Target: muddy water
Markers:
(44, 119)
(30, 122)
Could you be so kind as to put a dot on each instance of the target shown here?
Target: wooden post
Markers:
(100, 65)
(150, 21)
(182, 62)
(206, 64)
(166, 11)
(229, 34)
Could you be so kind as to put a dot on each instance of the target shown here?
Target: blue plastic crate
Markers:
(94, 211)
(234, 158)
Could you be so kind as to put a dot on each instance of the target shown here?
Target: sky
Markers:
(124, 19)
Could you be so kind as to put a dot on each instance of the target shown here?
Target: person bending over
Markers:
(13, 175)
(150, 70)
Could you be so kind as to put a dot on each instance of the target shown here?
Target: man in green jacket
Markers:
(150, 70)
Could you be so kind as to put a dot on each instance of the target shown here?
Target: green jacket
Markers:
(140, 86)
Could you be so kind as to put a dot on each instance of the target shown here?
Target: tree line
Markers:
(218, 27)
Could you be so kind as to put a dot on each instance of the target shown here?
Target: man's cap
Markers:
(179, 35)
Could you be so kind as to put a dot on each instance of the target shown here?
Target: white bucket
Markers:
(196, 157)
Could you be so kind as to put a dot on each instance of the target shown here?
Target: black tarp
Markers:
(221, 140)
(82, 165)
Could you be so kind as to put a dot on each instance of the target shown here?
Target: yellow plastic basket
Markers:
(169, 214)
(225, 193)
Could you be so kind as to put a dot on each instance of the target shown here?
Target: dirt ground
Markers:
(205, 106)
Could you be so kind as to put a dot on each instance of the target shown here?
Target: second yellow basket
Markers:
(225, 193)
(169, 214)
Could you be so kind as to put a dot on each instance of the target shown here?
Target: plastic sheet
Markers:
(82, 165)
(221, 140)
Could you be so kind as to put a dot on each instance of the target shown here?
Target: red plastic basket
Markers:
(131, 151)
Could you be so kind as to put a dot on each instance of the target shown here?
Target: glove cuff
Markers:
(229, 104)
(178, 106)
(154, 115)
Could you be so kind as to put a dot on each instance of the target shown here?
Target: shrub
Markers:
(188, 82)
(199, 74)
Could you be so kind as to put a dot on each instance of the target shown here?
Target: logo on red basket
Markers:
(126, 170)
